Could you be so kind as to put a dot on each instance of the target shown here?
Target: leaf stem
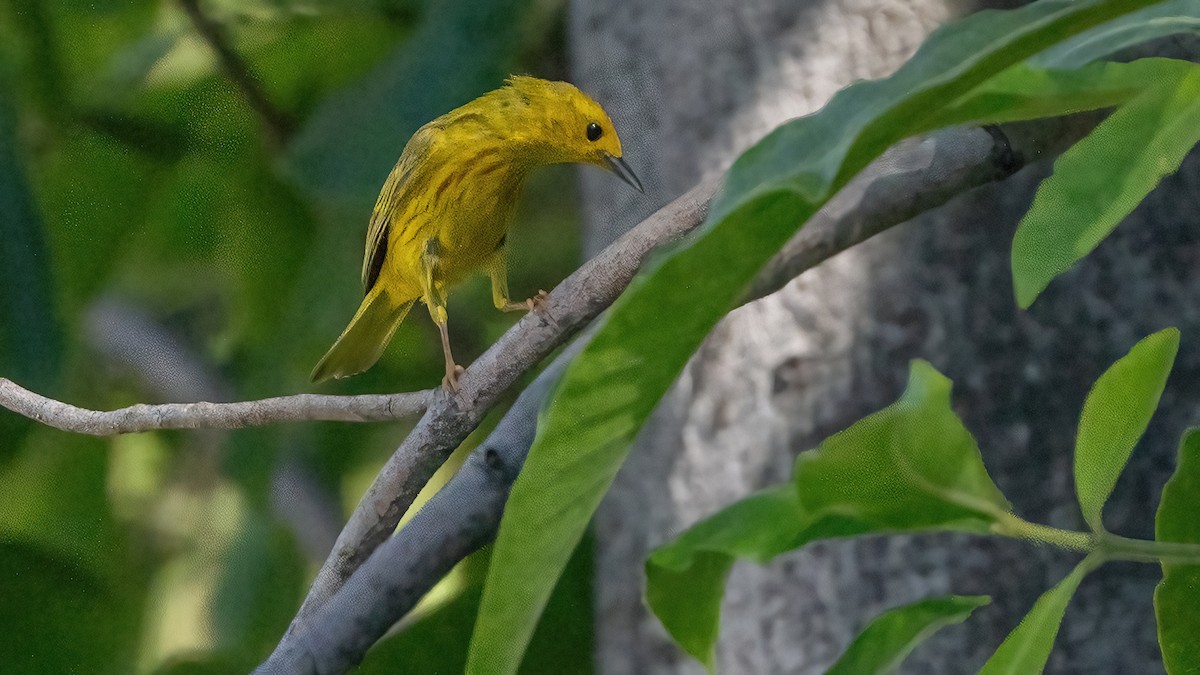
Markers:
(1104, 545)
(1114, 547)
(1010, 525)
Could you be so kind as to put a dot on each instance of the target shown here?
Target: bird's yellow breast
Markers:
(457, 204)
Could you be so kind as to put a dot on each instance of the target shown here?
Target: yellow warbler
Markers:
(445, 209)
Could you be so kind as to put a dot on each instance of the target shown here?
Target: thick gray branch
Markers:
(330, 636)
(457, 521)
(204, 415)
(915, 176)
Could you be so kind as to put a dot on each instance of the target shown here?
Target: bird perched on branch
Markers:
(445, 209)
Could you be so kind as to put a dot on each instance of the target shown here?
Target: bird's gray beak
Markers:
(619, 167)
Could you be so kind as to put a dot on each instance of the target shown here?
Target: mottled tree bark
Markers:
(690, 84)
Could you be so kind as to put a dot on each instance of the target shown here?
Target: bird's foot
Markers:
(536, 302)
(450, 381)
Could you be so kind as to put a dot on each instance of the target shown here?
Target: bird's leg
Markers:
(453, 370)
(498, 272)
(435, 300)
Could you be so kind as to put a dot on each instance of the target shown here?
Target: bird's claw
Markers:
(450, 380)
(538, 301)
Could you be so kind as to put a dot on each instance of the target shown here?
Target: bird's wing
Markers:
(390, 209)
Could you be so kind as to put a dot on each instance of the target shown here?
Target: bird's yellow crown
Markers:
(544, 122)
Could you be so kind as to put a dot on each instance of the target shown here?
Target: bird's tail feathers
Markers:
(363, 341)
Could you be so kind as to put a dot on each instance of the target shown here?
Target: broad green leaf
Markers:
(1177, 597)
(1163, 19)
(912, 465)
(815, 153)
(685, 579)
(909, 467)
(773, 188)
(1099, 181)
(1115, 416)
(1025, 650)
(1025, 92)
(891, 636)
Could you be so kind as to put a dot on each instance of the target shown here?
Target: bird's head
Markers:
(557, 123)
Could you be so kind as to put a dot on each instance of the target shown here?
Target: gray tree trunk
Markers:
(690, 84)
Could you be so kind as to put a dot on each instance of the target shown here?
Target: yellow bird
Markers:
(445, 209)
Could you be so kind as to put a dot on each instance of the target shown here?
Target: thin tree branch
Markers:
(131, 340)
(278, 124)
(204, 415)
(329, 636)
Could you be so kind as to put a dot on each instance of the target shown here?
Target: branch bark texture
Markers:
(205, 415)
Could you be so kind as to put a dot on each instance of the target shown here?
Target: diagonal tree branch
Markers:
(330, 636)
(454, 523)
(449, 419)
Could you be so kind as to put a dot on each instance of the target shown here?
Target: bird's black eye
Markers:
(594, 131)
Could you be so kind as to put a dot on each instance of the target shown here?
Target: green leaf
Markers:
(910, 467)
(610, 389)
(891, 636)
(1177, 597)
(685, 579)
(1099, 181)
(1160, 20)
(1115, 416)
(1025, 650)
(1024, 92)
(913, 465)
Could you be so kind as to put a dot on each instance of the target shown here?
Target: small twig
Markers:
(142, 417)
(278, 124)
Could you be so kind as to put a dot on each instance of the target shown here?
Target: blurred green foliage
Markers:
(133, 171)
